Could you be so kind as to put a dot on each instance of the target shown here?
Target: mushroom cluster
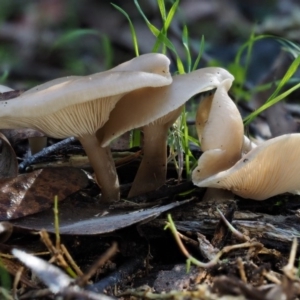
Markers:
(155, 110)
(102, 106)
(230, 161)
(79, 106)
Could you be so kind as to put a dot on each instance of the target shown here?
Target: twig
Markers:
(215, 260)
(46, 151)
(238, 234)
(56, 254)
(59, 251)
(56, 222)
(16, 281)
(82, 280)
(289, 270)
(241, 269)
(70, 260)
(125, 271)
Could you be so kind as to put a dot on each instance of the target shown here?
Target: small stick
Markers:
(16, 281)
(82, 280)
(190, 259)
(241, 268)
(71, 260)
(290, 270)
(238, 234)
(46, 151)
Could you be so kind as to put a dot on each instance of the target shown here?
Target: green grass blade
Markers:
(73, 35)
(132, 30)
(162, 9)
(152, 28)
(108, 52)
(135, 139)
(249, 54)
(5, 280)
(163, 39)
(201, 50)
(289, 73)
(4, 76)
(194, 140)
(185, 141)
(185, 42)
(171, 14)
(253, 115)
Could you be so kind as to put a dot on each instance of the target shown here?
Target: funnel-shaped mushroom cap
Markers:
(80, 105)
(271, 168)
(220, 129)
(222, 123)
(147, 105)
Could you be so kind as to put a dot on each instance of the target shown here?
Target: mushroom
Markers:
(155, 110)
(221, 133)
(79, 106)
(36, 142)
(269, 169)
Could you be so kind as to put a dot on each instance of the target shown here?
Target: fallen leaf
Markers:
(8, 159)
(91, 218)
(34, 192)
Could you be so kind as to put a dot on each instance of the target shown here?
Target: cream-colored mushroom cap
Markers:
(80, 105)
(51, 83)
(221, 133)
(271, 168)
(144, 106)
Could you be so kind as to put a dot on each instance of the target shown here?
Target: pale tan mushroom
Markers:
(155, 110)
(221, 133)
(79, 106)
(271, 168)
(36, 143)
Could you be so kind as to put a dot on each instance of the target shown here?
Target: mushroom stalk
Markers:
(103, 164)
(153, 168)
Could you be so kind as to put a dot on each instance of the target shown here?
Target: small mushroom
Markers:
(79, 106)
(155, 110)
(269, 169)
(221, 133)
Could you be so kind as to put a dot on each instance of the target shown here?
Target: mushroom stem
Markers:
(153, 168)
(104, 167)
